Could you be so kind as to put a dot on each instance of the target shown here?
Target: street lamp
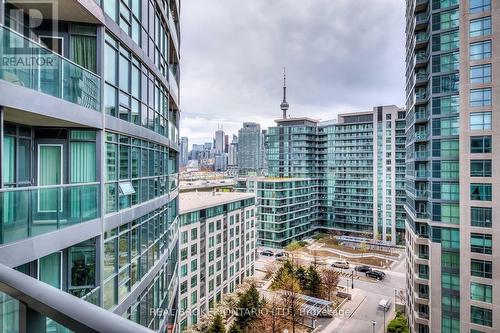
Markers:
(352, 279)
(373, 325)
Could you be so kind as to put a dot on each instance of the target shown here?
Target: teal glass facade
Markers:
(89, 153)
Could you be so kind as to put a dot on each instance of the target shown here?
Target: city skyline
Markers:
(248, 85)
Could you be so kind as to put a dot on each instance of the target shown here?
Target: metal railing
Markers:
(31, 211)
(31, 65)
(33, 304)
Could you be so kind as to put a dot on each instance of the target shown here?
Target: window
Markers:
(450, 281)
(445, 84)
(481, 268)
(480, 27)
(445, 148)
(480, 144)
(480, 243)
(481, 316)
(445, 62)
(445, 105)
(445, 191)
(480, 192)
(442, 4)
(480, 121)
(480, 168)
(480, 50)
(445, 20)
(480, 97)
(450, 238)
(481, 217)
(445, 42)
(481, 292)
(477, 6)
(480, 74)
(445, 126)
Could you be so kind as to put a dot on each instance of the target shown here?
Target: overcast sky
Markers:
(340, 56)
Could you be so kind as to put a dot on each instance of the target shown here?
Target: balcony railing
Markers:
(29, 64)
(422, 135)
(27, 212)
(174, 88)
(33, 306)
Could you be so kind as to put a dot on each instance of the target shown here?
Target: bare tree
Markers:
(291, 299)
(330, 281)
(273, 313)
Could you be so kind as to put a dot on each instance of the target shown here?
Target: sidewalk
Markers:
(345, 312)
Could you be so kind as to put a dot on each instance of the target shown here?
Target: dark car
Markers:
(279, 254)
(363, 268)
(376, 275)
(267, 253)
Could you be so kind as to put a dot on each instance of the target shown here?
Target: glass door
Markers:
(50, 172)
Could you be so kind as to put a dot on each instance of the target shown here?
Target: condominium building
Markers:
(364, 184)
(217, 249)
(250, 149)
(284, 208)
(89, 154)
(451, 51)
(184, 151)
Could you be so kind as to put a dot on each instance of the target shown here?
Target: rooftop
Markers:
(273, 179)
(193, 201)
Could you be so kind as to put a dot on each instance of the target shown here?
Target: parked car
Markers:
(385, 304)
(376, 274)
(281, 259)
(363, 268)
(341, 264)
(267, 253)
(280, 254)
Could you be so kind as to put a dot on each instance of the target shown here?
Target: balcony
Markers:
(421, 135)
(33, 306)
(421, 20)
(421, 4)
(421, 116)
(421, 39)
(28, 212)
(174, 87)
(424, 154)
(421, 58)
(29, 64)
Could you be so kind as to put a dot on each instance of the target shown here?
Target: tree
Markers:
(314, 281)
(301, 275)
(330, 281)
(217, 325)
(398, 324)
(363, 248)
(235, 329)
(291, 299)
(272, 314)
(249, 305)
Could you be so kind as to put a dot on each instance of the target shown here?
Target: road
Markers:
(363, 308)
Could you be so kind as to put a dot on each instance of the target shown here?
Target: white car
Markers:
(385, 304)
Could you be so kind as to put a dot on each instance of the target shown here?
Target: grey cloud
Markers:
(341, 55)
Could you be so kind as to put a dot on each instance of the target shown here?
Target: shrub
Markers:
(398, 324)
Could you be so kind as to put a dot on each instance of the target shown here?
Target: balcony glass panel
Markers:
(25, 214)
(30, 65)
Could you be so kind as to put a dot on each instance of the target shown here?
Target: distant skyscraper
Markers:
(250, 146)
(219, 144)
(233, 152)
(184, 151)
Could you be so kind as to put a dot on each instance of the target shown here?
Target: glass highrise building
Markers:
(89, 116)
(450, 57)
(364, 182)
